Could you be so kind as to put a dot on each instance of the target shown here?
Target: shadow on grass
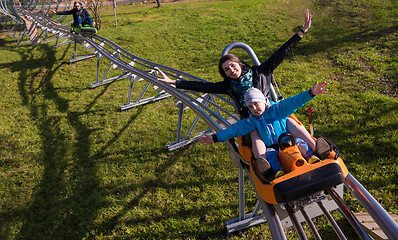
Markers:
(329, 42)
(159, 213)
(66, 200)
(68, 195)
(4, 42)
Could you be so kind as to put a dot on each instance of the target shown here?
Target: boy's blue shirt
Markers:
(271, 124)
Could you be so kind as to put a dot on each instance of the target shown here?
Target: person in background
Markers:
(80, 15)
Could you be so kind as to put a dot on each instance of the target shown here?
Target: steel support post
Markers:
(310, 223)
(76, 58)
(296, 224)
(241, 179)
(332, 222)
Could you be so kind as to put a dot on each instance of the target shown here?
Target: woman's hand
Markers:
(319, 88)
(307, 20)
(165, 78)
(53, 11)
(206, 139)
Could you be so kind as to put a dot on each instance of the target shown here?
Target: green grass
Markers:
(72, 166)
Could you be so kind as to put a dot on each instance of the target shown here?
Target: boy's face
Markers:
(257, 108)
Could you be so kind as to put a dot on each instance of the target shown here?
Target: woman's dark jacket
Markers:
(260, 79)
(82, 13)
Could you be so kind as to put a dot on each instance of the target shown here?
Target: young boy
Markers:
(269, 118)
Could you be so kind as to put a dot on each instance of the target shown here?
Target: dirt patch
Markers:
(4, 43)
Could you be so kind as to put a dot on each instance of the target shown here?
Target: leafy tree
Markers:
(95, 10)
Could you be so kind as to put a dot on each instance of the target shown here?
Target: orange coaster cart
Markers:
(301, 178)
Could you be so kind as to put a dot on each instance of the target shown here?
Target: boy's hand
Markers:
(206, 139)
(319, 88)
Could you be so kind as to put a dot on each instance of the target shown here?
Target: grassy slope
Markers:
(73, 166)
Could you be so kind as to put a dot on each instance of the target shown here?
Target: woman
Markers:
(239, 77)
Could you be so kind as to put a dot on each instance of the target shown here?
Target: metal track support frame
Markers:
(64, 42)
(140, 100)
(188, 139)
(310, 223)
(296, 224)
(103, 81)
(75, 57)
(332, 222)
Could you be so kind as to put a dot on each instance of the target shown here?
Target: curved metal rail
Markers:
(207, 109)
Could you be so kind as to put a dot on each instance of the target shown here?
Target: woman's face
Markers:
(232, 69)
